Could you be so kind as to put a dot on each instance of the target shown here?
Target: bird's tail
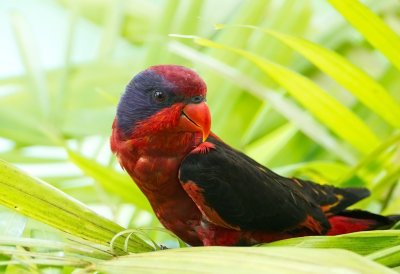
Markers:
(394, 218)
(358, 220)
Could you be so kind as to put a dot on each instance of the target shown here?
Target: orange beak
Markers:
(196, 118)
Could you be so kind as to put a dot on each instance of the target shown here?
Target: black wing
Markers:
(234, 191)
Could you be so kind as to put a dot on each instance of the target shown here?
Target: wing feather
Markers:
(236, 192)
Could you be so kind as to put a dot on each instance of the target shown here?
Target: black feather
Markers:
(381, 222)
(328, 195)
(248, 195)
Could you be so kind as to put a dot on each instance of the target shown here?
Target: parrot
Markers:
(208, 193)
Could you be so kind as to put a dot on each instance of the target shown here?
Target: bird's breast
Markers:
(157, 178)
(154, 167)
(156, 172)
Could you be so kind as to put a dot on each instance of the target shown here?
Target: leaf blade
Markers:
(363, 243)
(40, 201)
(338, 118)
(243, 260)
(371, 27)
(112, 181)
(360, 84)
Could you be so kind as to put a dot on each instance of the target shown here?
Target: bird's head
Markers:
(162, 100)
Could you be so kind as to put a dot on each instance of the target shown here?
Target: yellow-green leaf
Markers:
(360, 84)
(363, 243)
(243, 260)
(112, 181)
(327, 109)
(45, 203)
(264, 149)
(380, 35)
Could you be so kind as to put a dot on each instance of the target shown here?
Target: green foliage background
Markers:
(309, 88)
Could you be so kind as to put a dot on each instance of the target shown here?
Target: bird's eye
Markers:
(159, 96)
(197, 99)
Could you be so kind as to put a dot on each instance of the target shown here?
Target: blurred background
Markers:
(64, 65)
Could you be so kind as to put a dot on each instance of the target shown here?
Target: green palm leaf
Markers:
(337, 117)
(364, 87)
(380, 35)
(38, 200)
(243, 260)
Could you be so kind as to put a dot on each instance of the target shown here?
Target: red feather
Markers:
(343, 225)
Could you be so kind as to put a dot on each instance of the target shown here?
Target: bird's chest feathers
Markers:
(154, 161)
(156, 174)
(157, 177)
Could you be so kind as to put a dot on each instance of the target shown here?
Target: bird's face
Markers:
(164, 99)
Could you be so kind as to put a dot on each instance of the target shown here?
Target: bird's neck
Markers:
(176, 144)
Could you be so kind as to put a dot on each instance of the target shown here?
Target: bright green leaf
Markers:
(362, 243)
(380, 35)
(366, 89)
(112, 181)
(243, 260)
(77, 248)
(265, 148)
(337, 117)
(395, 138)
(38, 200)
(389, 256)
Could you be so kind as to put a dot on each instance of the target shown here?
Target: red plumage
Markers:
(207, 193)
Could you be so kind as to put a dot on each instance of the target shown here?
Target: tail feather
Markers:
(331, 199)
(394, 218)
(351, 195)
(349, 221)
